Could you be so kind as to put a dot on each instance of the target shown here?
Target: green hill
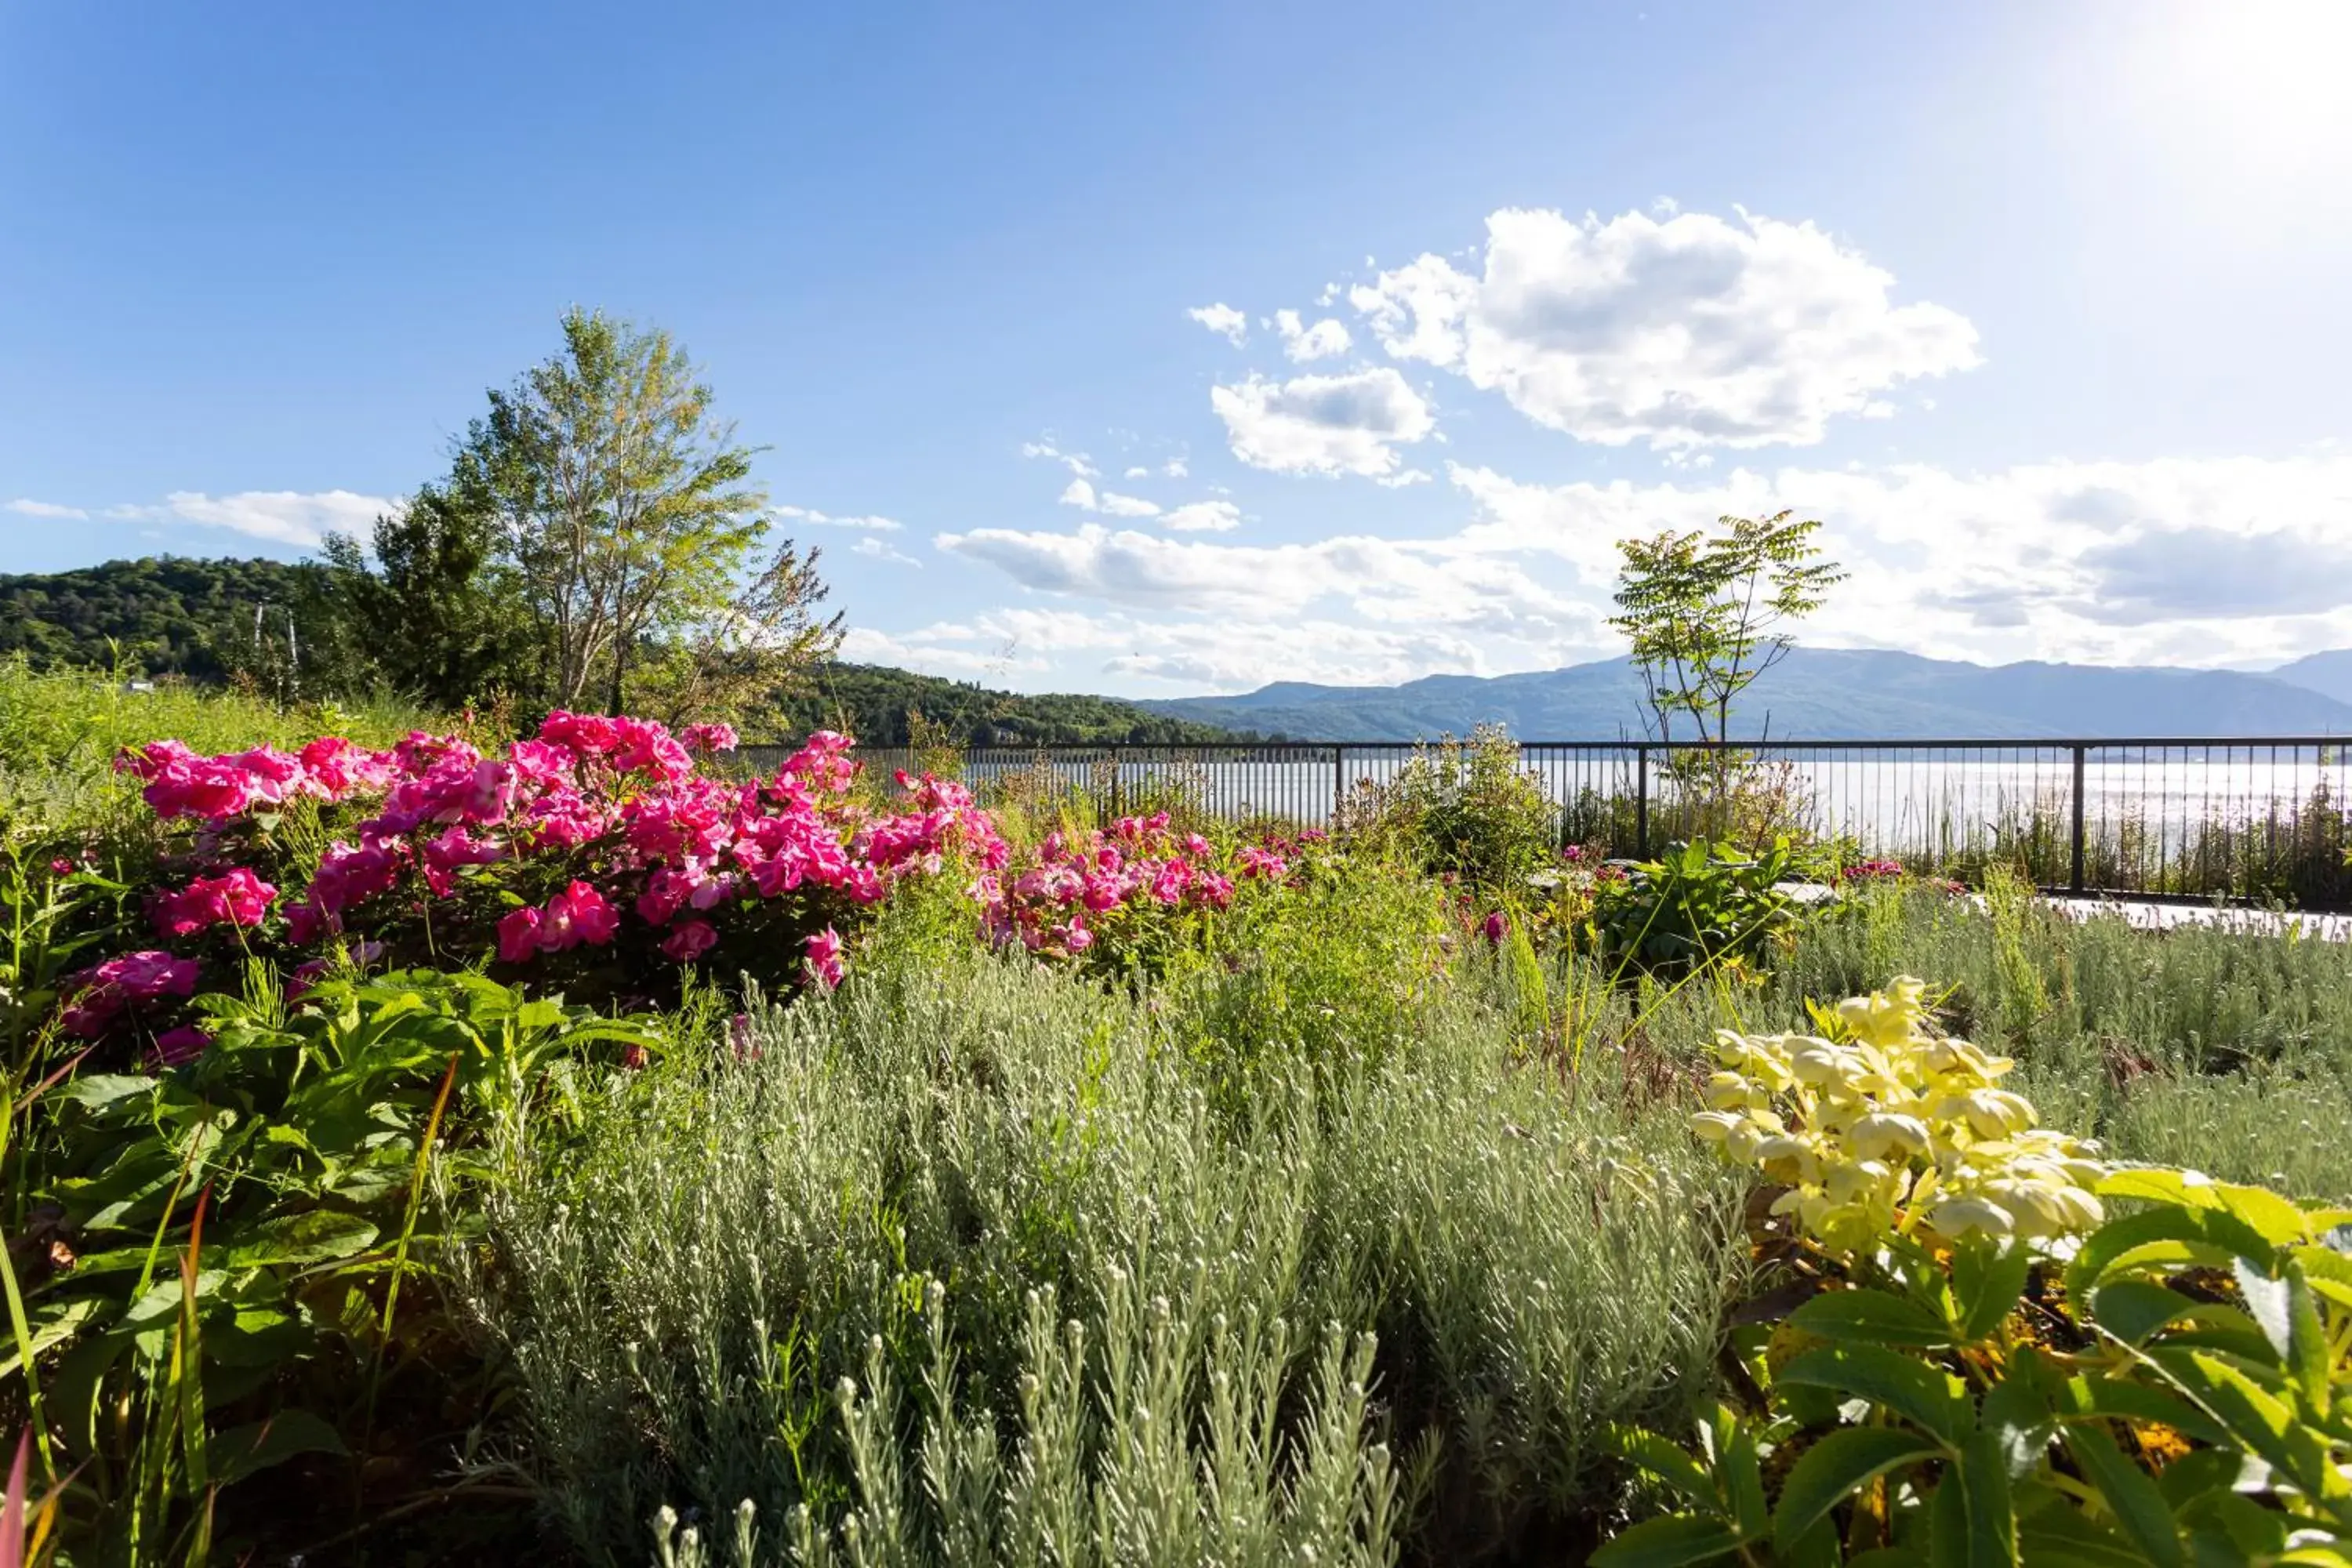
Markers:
(167, 614)
(872, 701)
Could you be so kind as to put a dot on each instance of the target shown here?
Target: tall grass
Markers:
(61, 728)
(1182, 1319)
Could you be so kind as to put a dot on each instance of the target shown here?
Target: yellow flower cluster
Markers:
(1888, 1127)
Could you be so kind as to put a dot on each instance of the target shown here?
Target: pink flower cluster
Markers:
(180, 783)
(429, 837)
(1865, 870)
(130, 982)
(1073, 885)
(238, 897)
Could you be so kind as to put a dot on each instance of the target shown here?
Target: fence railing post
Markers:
(1640, 803)
(2074, 853)
(1115, 769)
(1339, 783)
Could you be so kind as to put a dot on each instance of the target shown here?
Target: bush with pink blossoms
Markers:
(598, 856)
(1128, 892)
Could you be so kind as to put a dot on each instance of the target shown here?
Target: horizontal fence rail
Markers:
(2256, 819)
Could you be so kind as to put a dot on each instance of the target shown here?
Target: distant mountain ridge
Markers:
(1818, 694)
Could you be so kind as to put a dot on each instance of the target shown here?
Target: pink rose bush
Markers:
(598, 855)
(1129, 881)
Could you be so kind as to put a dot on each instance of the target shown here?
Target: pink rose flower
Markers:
(690, 940)
(824, 965)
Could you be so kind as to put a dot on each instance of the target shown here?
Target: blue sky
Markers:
(2039, 307)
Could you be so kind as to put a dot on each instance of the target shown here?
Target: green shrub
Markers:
(1701, 903)
(2180, 1400)
(219, 1284)
(682, 1287)
(1460, 807)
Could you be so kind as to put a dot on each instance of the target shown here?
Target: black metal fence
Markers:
(2261, 819)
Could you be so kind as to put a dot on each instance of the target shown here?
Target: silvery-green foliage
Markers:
(1069, 1278)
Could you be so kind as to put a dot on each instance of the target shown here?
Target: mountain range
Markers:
(1818, 694)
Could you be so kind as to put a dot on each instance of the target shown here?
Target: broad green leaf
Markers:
(1659, 1456)
(1673, 1541)
(293, 1240)
(2188, 1189)
(2289, 1318)
(2131, 1309)
(2133, 1401)
(1983, 1475)
(1837, 1465)
(1987, 1281)
(241, 1450)
(2263, 1423)
(2278, 1221)
(1872, 1317)
(100, 1090)
(2139, 1507)
(1923, 1395)
(2019, 1418)
(2062, 1538)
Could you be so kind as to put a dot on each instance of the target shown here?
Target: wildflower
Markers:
(709, 737)
(1495, 928)
(824, 958)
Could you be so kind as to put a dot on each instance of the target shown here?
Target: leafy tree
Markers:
(440, 615)
(1707, 612)
(628, 515)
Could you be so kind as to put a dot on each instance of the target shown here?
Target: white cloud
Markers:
(1222, 319)
(1324, 424)
(1693, 330)
(1110, 503)
(1303, 344)
(1175, 469)
(1188, 655)
(875, 550)
(2198, 560)
(804, 515)
(44, 509)
(1116, 505)
(1137, 473)
(1397, 582)
(284, 517)
(1077, 462)
(1203, 517)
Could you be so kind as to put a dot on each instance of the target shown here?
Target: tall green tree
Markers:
(1709, 611)
(437, 612)
(627, 514)
(597, 541)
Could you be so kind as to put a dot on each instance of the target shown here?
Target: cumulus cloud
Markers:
(283, 516)
(1222, 319)
(2103, 561)
(1203, 517)
(1682, 331)
(1190, 654)
(1328, 425)
(804, 515)
(1388, 581)
(27, 508)
(874, 549)
(1110, 503)
(1303, 344)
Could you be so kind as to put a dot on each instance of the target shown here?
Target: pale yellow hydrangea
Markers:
(1888, 1128)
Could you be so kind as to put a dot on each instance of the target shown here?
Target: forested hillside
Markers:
(167, 614)
(873, 702)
